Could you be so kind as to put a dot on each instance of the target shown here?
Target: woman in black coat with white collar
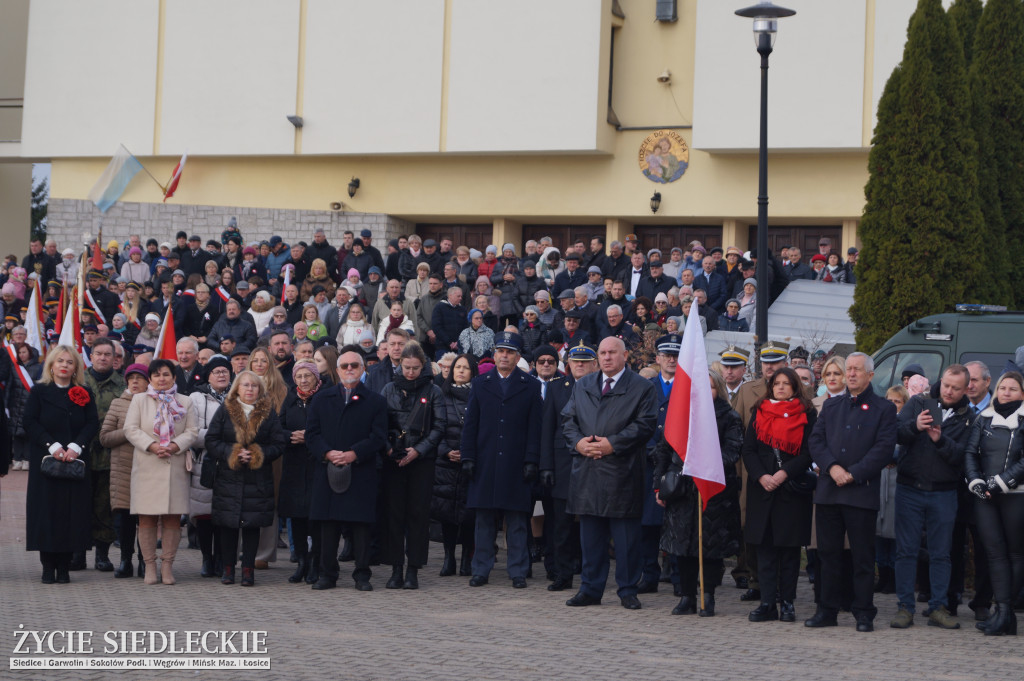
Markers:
(243, 439)
(60, 420)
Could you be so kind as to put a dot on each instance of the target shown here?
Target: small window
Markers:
(889, 370)
(995, 361)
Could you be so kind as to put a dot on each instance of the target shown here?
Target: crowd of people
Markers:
(368, 401)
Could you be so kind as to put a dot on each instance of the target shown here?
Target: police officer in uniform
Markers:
(773, 357)
(734, 369)
(556, 465)
(650, 521)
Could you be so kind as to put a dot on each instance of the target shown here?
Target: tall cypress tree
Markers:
(965, 15)
(922, 227)
(997, 91)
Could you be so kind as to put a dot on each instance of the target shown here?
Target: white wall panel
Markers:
(524, 75)
(815, 77)
(891, 20)
(373, 76)
(90, 77)
(230, 74)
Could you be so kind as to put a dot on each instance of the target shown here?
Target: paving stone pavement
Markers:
(447, 630)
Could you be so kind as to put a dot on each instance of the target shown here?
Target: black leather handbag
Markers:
(62, 470)
(208, 471)
(671, 486)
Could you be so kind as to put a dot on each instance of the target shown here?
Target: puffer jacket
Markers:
(527, 287)
(995, 448)
(424, 437)
(243, 495)
(112, 437)
(533, 335)
(200, 499)
(448, 504)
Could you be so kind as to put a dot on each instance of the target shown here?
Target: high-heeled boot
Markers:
(313, 574)
(448, 565)
(302, 568)
(171, 539)
(147, 544)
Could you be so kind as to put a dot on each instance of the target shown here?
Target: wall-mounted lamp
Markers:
(665, 77)
(655, 202)
(296, 121)
(353, 185)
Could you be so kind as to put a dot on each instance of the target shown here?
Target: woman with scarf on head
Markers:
(161, 424)
(476, 338)
(297, 474)
(777, 458)
(416, 424)
(243, 439)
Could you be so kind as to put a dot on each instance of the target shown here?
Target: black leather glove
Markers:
(547, 478)
(469, 468)
(978, 488)
(529, 472)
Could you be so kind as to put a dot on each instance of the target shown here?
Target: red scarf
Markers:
(781, 425)
(395, 322)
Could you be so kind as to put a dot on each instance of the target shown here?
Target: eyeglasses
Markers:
(546, 361)
(349, 365)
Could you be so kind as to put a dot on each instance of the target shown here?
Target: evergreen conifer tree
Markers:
(922, 229)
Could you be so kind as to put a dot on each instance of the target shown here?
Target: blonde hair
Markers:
(277, 389)
(77, 378)
(233, 391)
(841, 363)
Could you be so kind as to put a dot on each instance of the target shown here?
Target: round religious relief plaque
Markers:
(664, 156)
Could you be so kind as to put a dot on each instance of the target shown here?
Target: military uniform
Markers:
(99, 463)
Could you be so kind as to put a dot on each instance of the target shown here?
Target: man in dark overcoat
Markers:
(556, 466)
(852, 441)
(347, 425)
(608, 421)
(500, 452)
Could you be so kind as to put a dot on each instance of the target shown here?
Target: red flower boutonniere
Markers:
(423, 400)
(355, 398)
(79, 396)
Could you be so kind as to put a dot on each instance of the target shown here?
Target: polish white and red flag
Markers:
(172, 184)
(690, 424)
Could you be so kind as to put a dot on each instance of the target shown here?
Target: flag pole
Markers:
(163, 188)
(700, 547)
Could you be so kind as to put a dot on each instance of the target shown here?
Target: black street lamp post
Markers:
(765, 16)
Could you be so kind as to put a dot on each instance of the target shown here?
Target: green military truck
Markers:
(985, 333)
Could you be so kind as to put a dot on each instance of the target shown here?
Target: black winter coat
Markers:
(927, 465)
(360, 426)
(448, 505)
(859, 434)
(243, 496)
(613, 486)
(296, 488)
(58, 512)
(555, 455)
(526, 288)
(501, 434)
(788, 512)
(447, 322)
(424, 435)
(17, 398)
(721, 519)
(996, 447)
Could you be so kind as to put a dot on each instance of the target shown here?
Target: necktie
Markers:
(348, 395)
(607, 386)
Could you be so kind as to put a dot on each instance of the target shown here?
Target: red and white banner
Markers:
(91, 304)
(222, 293)
(166, 343)
(23, 376)
(172, 185)
(690, 424)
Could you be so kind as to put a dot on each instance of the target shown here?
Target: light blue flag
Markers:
(115, 179)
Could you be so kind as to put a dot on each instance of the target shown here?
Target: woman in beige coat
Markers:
(121, 455)
(161, 423)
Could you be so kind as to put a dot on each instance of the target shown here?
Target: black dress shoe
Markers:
(709, 606)
(865, 626)
(323, 584)
(630, 602)
(412, 581)
(643, 587)
(766, 612)
(581, 599)
(821, 619)
(363, 585)
(742, 583)
(560, 585)
(687, 606)
(62, 575)
(519, 582)
(477, 580)
(787, 613)
(397, 580)
(751, 595)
